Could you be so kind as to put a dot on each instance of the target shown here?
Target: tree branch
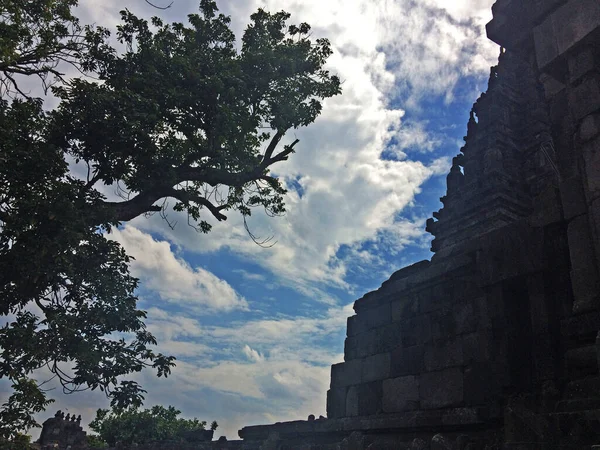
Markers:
(187, 197)
(159, 7)
(283, 156)
(144, 201)
(272, 145)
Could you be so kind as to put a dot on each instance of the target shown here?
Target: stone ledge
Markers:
(451, 418)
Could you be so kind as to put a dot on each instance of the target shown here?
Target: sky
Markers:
(255, 330)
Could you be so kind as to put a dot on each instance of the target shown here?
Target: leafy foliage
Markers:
(35, 36)
(180, 114)
(142, 426)
(95, 441)
(18, 442)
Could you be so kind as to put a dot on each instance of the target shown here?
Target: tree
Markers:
(18, 442)
(142, 426)
(181, 115)
(35, 36)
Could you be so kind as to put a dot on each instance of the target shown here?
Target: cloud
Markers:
(250, 276)
(391, 55)
(172, 278)
(252, 354)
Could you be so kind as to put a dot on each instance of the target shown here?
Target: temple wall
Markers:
(458, 332)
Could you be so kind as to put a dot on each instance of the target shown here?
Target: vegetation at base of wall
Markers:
(140, 426)
(18, 442)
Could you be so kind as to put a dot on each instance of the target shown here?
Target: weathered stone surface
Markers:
(598, 349)
(466, 317)
(590, 127)
(476, 346)
(355, 326)
(400, 394)
(372, 342)
(591, 158)
(346, 373)
(369, 398)
(377, 317)
(336, 402)
(439, 442)
(441, 389)
(442, 354)
(352, 406)
(480, 384)
(376, 367)
(580, 64)
(418, 444)
(573, 198)
(584, 276)
(404, 308)
(585, 98)
(407, 360)
(564, 28)
(356, 441)
(416, 330)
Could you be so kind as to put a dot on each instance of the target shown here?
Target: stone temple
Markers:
(493, 343)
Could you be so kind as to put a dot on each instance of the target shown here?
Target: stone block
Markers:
(400, 394)
(546, 208)
(591, 160)
(433, 298)
(598, 349)
(336, 402)
(351, 348)
(443, 324)
(590, 127)
(441, 389)
(352, 401)
(584, 98)
(362, 345)
(369, 398)
(551, 85)
(482, 313)
(407, 360)
(376, 317)
(389, 337)
(595, 215)
(584, 278)
(495, 302)
(442, 354)
(416, 330)
(572, 197)
(376, 367)
(404, 308)
(476, 346)
(346, 373)
(480, 385)
(355, 325)
(465, 317)
(580, 64)
(564, 28)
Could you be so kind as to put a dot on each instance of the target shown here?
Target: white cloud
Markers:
(252, 355)
(172, 278)
(383, 50)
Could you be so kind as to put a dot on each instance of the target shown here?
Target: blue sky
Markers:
(255, 330)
